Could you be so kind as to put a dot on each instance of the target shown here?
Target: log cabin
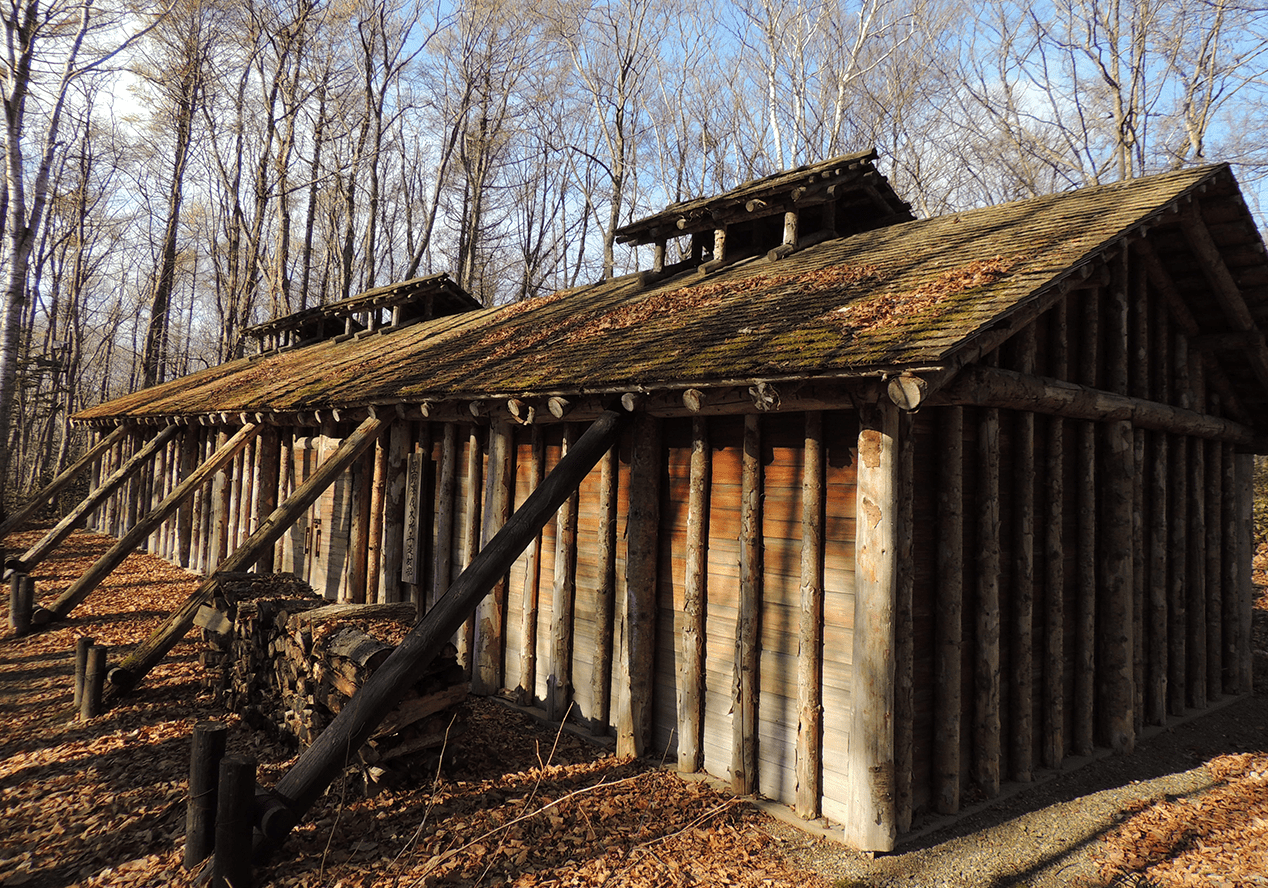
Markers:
(904, 509)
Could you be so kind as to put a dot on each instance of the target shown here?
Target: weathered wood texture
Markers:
(809, 623)
(871, 802)
(747, 666)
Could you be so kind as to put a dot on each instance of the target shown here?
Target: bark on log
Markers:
(378, 496)
(634, 711)
(138, 664)
(1245, 470)
(1054, 555)
(37, 553)
(470, 537)
(1195, 561)
(1156, 655)
(1177, 589)
(1231, 579)
(269, 461)
(356, 721)
(1006, 389)
(987, 726)
(486, 676)
(559, 678)
(695, 573)
(1115, 666)
(871, 825)
(605, 598)
(191, 451)
(394, 514)
(1021, 750)
(948, 627)
(904, 627)
(54, 487)
(1214, 575)
(446, 507)
(747, 653)
(527, 692)
(359, 533)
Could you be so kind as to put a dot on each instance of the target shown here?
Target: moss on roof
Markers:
(907, 295)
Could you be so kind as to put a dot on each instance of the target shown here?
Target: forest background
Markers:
(176, 173)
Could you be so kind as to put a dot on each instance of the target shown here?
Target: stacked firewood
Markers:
(283, 658)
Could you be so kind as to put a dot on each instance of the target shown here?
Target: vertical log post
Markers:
(374, 542)
(1021, 749)
(1195, 561)
(1232, 567)
(1138, 387)
(871, 824)
(190, 459)
(1085, 545)
(1214, 570)
(487, 675)
(527, 691)
(559, 680)
(269, 461)
(446, 493)
(695, 574)
(359, 537)
(987, 726)
(221, 497)
(1177, 529)
(207, 749)
(394, 514)
(1156, 656)
(235, 823)
(904, 626)
(1054, 555)
(471, 539)
(605, 597)
(21, 602)
(1116, 621)
(83, 645)
(1245, 471)
(744, 778)
(948, 626)
(634, 711)
(94, 683)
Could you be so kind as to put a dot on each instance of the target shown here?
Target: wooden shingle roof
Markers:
(933, 292)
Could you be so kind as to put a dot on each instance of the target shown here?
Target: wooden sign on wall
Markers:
(413, 524)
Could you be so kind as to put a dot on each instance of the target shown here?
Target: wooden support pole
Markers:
(151, 495)
(527, 692)
(490, 636)
(871, 824)
(1177, 589)
(744, 777)
(1214, 571)
(1155, 697)
(446, 507)
(695, 579)
(94, 683)
(37, 553)
(605, 597)
(948, 626)
(559, 679)
(21, 602)
(1195, 561)
(268, 451)
(1230, 581)
(904, 626)
(105, 565)
(83, 644)
(233, 514)
(634, 709)
(144, 657)
(1138, 387)
(200, 546)
(207, 748)
(987, 726)
(235, 823)
(1021, 684)
(190, 459)
(394, 514)
(1086, 474)
(58, 484)
(1054, 736)
(221, 502)
(378, 501)
(359, 536)
(318, 765)
(471, 538)
(1244, 496)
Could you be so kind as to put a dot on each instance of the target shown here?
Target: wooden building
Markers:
(906, 508)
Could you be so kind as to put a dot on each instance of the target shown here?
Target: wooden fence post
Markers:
(206, 752)
(82, 646)
(94, 682)
(235, 823)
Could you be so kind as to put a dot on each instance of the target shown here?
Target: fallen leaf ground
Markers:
(103, 802)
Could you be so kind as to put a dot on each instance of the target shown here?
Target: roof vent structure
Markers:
(383, 308)
(775, 215)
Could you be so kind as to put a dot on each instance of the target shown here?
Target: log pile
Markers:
(286, 660)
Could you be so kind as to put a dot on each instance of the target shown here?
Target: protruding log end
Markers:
(122, 679)
(907, 392)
